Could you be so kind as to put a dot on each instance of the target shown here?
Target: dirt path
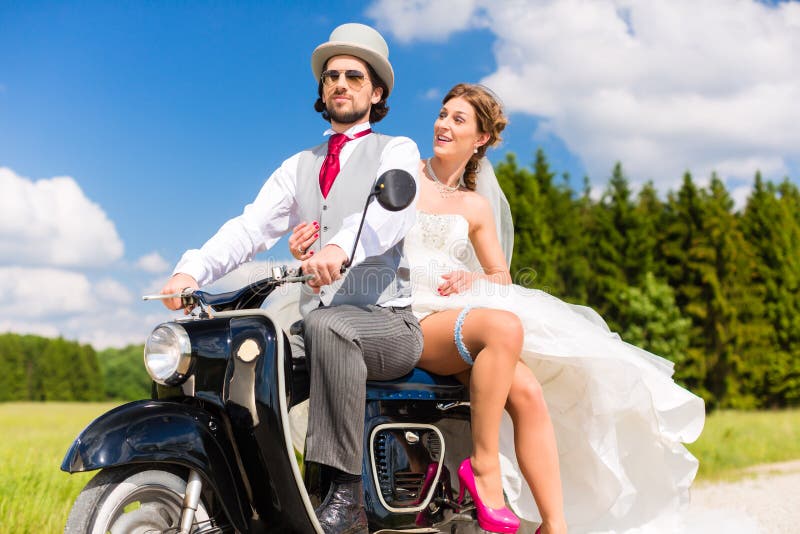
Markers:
(767, 503)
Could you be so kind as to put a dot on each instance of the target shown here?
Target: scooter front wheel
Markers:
(135, 499)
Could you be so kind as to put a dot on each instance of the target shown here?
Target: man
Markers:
(359, 325)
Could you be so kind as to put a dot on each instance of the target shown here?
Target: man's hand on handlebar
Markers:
(326, 266)
(176, 284)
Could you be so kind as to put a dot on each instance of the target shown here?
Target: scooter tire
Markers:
(133, 499)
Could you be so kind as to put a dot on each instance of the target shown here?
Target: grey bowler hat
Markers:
(361, 41)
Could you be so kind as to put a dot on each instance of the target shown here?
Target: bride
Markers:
(584, 410)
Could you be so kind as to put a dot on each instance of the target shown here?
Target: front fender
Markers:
(151, 431)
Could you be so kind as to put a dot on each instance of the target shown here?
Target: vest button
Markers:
(324, 228)
(324, 207)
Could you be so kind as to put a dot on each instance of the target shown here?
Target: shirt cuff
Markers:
(192, 266)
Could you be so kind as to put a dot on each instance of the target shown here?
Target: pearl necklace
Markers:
(445, 191)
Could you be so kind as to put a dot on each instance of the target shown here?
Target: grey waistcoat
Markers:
(376, 280)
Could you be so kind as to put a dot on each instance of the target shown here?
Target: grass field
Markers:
(732, 441)
(35, 496)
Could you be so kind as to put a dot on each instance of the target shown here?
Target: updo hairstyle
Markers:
(490, 117)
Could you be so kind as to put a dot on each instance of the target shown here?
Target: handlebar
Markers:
(250, 296)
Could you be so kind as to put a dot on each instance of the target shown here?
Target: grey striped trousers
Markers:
(346, 346)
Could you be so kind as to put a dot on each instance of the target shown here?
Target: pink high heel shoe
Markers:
(491, 519)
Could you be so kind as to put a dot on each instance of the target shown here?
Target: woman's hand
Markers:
(456, 282)
(303, 236)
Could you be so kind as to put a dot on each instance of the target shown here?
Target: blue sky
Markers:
(168, 116)
(157, 109)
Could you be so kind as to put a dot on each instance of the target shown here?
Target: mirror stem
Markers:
(349, 261)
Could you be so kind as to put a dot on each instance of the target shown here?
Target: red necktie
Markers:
(330, 167)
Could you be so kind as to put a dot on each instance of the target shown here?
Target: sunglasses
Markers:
(355, 78)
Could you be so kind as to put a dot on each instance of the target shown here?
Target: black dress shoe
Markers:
(342, 511)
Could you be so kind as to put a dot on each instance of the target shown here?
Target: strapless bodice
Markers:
(439, 243)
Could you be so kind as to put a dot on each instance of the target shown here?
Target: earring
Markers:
(475, 151)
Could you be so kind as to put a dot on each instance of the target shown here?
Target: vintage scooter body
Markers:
(220, 421)
(229, 421)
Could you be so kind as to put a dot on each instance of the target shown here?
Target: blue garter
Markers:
(458, 337)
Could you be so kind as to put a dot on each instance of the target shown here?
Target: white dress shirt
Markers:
(274, 213)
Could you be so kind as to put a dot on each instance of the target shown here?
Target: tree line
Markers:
(714, 289)
(34, 368)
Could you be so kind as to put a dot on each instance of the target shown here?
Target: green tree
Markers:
(87, 381)
(736, 333)
(645, 233)
(651, 320)
(13, 383)
(124, 374)
(549, 241)
(614, 255)
(770, 223)
(683, 227)
(532, 236)
(41, 369)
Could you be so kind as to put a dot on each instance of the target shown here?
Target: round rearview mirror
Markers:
(395, 189)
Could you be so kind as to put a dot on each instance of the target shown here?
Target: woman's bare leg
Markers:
(537, 453)
(494, 339)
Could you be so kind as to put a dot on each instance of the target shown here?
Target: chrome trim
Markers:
(411, 437)
(375, 471)
(194, 488)
(444, 406)
(184, 359)
(187, 388)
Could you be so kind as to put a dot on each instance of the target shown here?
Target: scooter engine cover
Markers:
(406, 463)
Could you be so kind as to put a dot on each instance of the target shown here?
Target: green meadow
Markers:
(35, 495)
(735, 440)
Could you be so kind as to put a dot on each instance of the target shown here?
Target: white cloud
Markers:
(29, 327)
(55, 302)
(51, 223)
(117, 327)
(40, 292)
(740, 194)
(104, 312)
(432, 94)
(31, 293)
(432, 20)
(111, 291)
(663, 86)
(153, 263)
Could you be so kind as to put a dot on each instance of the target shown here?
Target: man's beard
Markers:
(347, 117)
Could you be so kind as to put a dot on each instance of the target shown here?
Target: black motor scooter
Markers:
(212, 450)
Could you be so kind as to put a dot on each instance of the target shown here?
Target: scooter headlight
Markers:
(168, 354)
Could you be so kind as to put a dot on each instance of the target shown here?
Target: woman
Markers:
(618, 417)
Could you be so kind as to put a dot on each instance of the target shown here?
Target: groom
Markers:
(359, 325)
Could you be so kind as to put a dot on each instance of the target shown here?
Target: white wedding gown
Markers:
(620, 420)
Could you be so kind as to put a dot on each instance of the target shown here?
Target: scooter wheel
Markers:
(133, 499)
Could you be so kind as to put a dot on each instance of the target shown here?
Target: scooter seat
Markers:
(418, 384)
